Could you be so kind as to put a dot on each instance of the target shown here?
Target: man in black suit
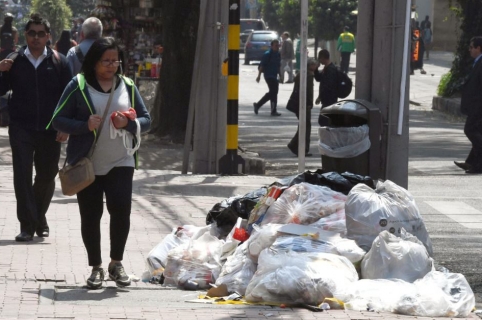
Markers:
(471, 105)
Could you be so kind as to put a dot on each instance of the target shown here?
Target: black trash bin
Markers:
(354, 131)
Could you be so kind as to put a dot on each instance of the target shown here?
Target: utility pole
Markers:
(382, 49)
(303, 71)
(207, 108)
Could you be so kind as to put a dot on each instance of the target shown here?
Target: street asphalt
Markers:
(44, 279)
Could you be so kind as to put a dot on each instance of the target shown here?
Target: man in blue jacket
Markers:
(270, 66)
(36, 77)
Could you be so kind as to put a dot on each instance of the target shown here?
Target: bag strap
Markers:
(91, 152)
(94, 144)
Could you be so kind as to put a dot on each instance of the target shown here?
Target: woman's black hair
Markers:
(95, 54)
(64, 43)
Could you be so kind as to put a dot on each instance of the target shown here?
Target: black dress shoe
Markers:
(473, 171)
(42, 232)
(295, 151)
(463, 165)
(23, 237)
(308, 154)
(275, 114)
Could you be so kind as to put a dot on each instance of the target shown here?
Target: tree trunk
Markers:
(179, 32)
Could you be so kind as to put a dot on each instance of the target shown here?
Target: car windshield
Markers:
(254, 25)
(264, 37)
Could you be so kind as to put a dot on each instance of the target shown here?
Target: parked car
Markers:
(247, 26)
(257, 44)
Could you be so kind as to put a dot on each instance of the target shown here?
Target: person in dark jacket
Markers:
(8, 36)
(293, 144)
(64, 43)
(37, 79)
(270, 66)
(328, 83)
(79, 113)
(471, 105)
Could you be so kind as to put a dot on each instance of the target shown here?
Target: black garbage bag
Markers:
(338, 182)
(226, 212)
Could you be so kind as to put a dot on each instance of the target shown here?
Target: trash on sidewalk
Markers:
(319, 241)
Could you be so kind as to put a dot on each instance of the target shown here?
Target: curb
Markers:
(447, 105)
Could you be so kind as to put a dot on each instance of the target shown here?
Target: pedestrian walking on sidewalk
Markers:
(79, 113)
(8, 36)
(36, 77)
(293, 144)
(287, 55)
(270, 66)
(346, 45)
(328, 84)
(91, 30)
(471, 105)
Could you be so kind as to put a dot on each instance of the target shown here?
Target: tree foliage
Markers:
(326, 17)
(81, 8)
(57, 12)
(470, 13)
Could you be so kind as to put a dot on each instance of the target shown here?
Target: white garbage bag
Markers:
(436, 295)
(389, 207)
(195, 263)
(304, 203)
(237, 271)
(335, 222)
(343, 142)
(292, 277)
(260, 239)
(392, 257)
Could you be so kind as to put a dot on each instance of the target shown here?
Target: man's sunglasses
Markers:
(33, 34)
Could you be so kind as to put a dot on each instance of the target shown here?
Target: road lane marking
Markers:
(460, 212)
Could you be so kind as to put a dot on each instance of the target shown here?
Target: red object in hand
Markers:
(240, 234)
(130, 114)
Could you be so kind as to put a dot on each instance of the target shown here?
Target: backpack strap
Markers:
(79, 54)
(56, 60)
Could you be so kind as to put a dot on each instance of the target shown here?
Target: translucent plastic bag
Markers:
(294, 277)
(195, 262)
(402, 258)
(343, 142)
(436, 295)
(237, 271)
(157, 257)
(304, 203)
(260, 239)
(388, 207)
(335, 222)
(343, 247)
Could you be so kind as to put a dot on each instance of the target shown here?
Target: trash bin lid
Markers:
(347, 107)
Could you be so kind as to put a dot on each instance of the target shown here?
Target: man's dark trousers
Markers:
(473, 131)
(345, 61)
(38, 148)
(272, 94)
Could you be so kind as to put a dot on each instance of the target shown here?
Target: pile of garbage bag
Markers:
(312, 239)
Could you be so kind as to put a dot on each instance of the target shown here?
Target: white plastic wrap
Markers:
(261, 238)
(197, 261)
(294, 277)
(157, 257)
(335, 222)
(304, 203)
(389, 207)
(343, 247)
(402, 258)
(237, 271)
(436, 295)
(343, 142)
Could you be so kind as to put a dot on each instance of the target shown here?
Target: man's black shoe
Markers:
(255, 108)
(308, 154)
(275, 114)
(42, 232)
(463, 165)
(23, 237)
(474, 171)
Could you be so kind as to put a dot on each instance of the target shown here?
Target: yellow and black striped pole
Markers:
(232, 163)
